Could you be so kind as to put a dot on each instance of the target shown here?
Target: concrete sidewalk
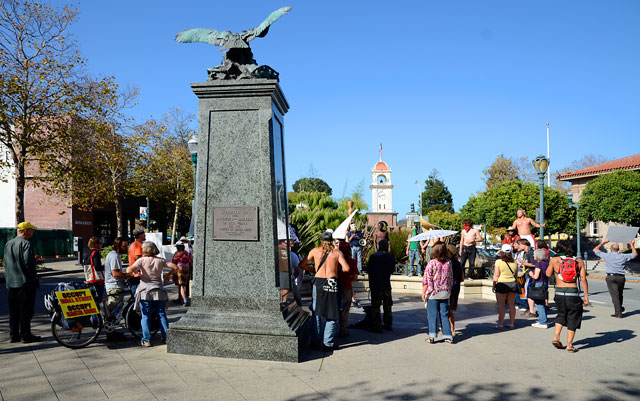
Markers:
(483, 364)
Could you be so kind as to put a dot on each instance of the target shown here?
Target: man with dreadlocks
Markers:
(325, 306)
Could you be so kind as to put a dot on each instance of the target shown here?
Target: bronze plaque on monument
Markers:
(235, 223)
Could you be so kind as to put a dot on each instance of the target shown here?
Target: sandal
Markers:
(448, 340)
(557, 344)
(430, 340)
(572, 350)
(497, 327)
(511, 326)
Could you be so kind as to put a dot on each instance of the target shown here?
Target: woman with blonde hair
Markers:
(504, 285)
(436, 291)
(150, 294)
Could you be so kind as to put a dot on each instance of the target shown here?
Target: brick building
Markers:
(579, 179)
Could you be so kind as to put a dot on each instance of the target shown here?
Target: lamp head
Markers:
(193, 145)
(541, 164)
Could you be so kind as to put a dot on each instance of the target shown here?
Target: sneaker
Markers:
(521, 309)
(145, 343)
(187, 303)
(539, 325)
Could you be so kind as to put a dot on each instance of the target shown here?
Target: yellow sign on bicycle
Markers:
(77, 303)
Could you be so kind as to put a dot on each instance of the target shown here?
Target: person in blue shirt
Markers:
(353, 237)
(615, 265)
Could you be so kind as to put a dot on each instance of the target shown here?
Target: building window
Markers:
(593, 228)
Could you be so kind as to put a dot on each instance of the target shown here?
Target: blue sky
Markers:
(442, 84)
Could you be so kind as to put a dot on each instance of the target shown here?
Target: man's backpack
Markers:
(568, 270)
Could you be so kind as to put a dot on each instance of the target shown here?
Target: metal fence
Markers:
(47, 243)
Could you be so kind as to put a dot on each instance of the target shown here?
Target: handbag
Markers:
(537, 293)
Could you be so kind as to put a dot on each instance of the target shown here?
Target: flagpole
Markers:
(548, 157)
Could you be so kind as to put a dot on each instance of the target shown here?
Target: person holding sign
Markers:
(615, 263)
(150, 294)
(22, 282)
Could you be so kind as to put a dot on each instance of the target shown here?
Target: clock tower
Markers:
(381, 195)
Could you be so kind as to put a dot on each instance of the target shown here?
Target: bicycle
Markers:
(81, 332)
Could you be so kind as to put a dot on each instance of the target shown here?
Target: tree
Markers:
(509, 169)
(498, 206)
(42, 88)
(311, 184)
(166, 172)
(445, 220)
(94, 166)
(612, 197)
(436, 195)
(501, 170)
(313, 213)
(589, 160)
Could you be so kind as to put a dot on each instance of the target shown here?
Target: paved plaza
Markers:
(483, 364)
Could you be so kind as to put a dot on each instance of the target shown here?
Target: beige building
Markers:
(579, 179)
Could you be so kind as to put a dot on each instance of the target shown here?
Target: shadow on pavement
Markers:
(605, 338)
(454, 391)
(611, 390)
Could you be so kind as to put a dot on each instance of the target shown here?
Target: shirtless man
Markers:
(468, 238)
(523, 225)
(567, 298)
(380, 234)
(325, 307)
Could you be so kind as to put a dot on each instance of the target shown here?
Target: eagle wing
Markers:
(261, 30)
(205, 35)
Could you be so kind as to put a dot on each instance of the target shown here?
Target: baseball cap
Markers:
(506, 248)
(327, 236)
(25, 225)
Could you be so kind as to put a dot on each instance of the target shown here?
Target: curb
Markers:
(634, 280)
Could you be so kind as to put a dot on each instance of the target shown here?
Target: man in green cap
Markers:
(22, 282)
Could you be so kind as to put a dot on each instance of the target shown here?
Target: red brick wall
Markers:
(375, 218)
(43, 211)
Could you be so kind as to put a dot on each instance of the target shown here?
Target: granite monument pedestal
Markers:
(240, 204)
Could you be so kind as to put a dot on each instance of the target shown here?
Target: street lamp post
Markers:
(577, 207)
(541, 164)
(193, 149)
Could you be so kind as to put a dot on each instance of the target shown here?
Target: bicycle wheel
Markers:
(133, 320)
(79, 335)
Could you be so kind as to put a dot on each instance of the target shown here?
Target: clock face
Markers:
(382, 179)
(381, 195)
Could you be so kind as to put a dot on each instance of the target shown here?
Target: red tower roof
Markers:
(381, 166)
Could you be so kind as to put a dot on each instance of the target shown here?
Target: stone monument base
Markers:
(240, 328)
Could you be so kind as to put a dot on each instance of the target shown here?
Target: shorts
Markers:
(455, 293)
(285, 281)
(503, 288)
(114, 298)
(569, 310)
(182, 276)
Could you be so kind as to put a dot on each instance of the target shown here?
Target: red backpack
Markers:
(568, 270)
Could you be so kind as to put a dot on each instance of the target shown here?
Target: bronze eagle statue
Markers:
(238, 61)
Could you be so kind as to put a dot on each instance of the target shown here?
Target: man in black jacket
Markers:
(380, 267)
